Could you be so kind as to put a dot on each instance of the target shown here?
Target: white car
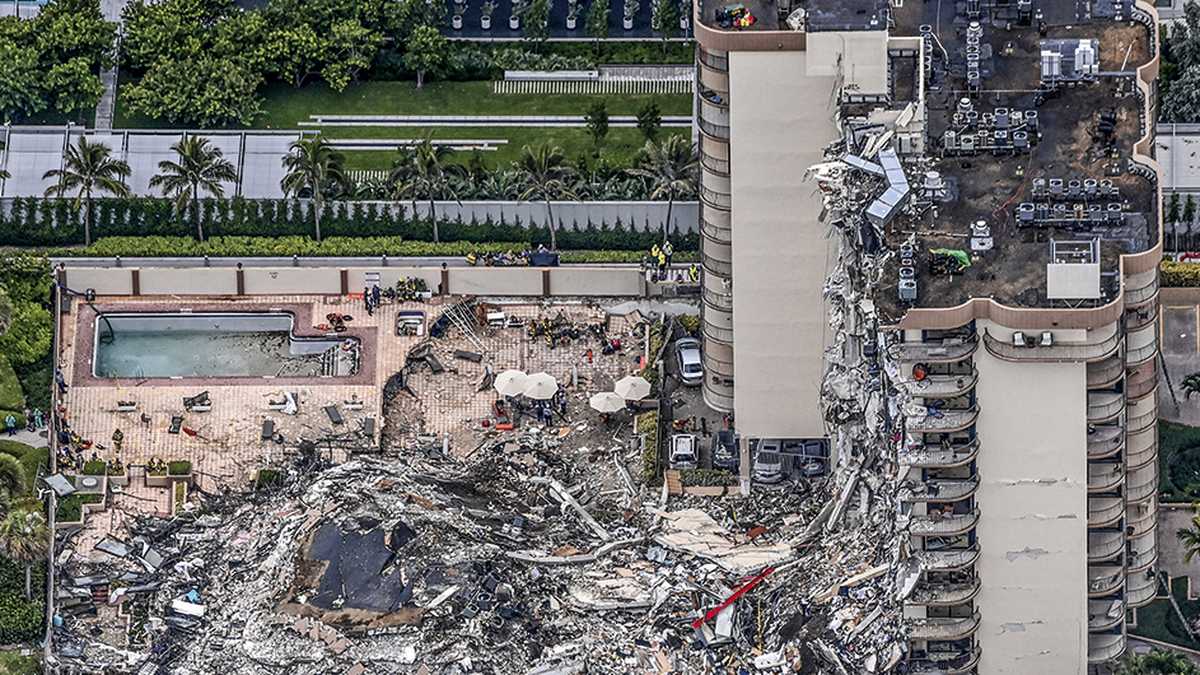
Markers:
(768, 463)
(691, 371)
(683, 452)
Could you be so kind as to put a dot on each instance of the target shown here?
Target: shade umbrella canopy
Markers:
(541, 386)
(510, 383)
(607, 402)
(632, 388)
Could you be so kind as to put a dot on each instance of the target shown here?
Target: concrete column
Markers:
(241, 281)
(344, 276)
(545, 283)
(135, 281)
(744, 465)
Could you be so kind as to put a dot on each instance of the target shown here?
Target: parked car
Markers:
(691, 371)
(725, 451)
(768, 463)
(683, 452)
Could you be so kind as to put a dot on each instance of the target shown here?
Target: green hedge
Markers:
(1179, 274)
(11, 397)
(179, 467)
(133, 247)
(70, 508)
(51, 222)
(20, 620)
(20, 416)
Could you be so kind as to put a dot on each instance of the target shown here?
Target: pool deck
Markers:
(227, 450)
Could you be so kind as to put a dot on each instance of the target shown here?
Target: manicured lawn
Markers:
(619, 147)
(11, 397)
(1178, 462)
(30, 457)
(12, 663)
(1158, 620)
(285, 107)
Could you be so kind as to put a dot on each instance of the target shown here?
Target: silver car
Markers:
(691, 371)
(768, 463)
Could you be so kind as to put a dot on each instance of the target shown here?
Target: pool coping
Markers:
(302, 326)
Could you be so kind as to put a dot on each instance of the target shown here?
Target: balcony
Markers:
(1105, 546)
(942, 351)
(714, 58)
(1140, 518)
(942, 628)
(1104, 406)
(1105, 441)
(937, 456)
(941, 386)
(717, 299)
(1141, 287)
(1142, 483)
(712, 163)
(1105, 580)
(1105, 647)
(1106, 373)
(924, 419)
(1105, 476)
(1072, 352)
(939, 490)
(1138, 422)
(948, 560)
(1141, 450)
(944, 663)
(943, 526)
(1139, 388)
(1140, 588)
(1141, 345)
(1143, 552)
(943, 595)
(1142, 316)
(715, 225)
(715, 332)
(714, 199)
(716, 267)
(718, 131)
(1104, 614)
(1105, 511)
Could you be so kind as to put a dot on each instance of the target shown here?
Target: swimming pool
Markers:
(135, 345)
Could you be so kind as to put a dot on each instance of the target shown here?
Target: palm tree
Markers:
(670, 167)
(545, 175)
(423, 171)
(12, 479)
(1157, 662)
(201, 165)
(88, 168)
(24, 538)
(1190, 385)
(314, 168)
(1190, 537)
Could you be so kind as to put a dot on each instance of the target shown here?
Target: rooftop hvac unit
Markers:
(965, 106)
(1056, 188)
(1085, 59)
(1051, 65)
(974, 29)
(1091, 188)
(908, 290)
(908, 272)
(1001, 117)
(967, 143)
(1074, 189)
(1020, 140)
(1018, 339)
(908, 252)
(1031, 119)
(950, 140)
(981, 237)
(1025, 212)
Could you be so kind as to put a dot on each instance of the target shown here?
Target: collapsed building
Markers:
(985, 234)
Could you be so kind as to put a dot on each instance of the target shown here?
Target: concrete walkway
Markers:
(36, 439)
(480, 121)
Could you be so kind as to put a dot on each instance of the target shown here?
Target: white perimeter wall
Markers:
(780, 123)
(1033, 516)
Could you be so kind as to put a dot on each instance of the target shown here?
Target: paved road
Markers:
(313, 261)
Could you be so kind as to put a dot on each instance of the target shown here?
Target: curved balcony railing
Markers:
(1142, 559)
(1140, 519)
(720, 200)
(943, 526)
(944, 595)
(940, 420)
(933, 456)
(1140, 588)
(713, 97)
(1104, 614)
(1138, 389)
(945, 663)
(1141, 287)
(713, 164)
(1105, 647)
(942, 490)
(1105, 511)
(1141, 317)
(1142, 484)
(1104, 374)
(1105, 579)
(1104, 406)
(714, 58)
(943, 628)
(1139, 422)
(717, 267)
(1105, 476)
(1105, 545)
(945, 351)
(720, 131)
(941, 386)
(718, 397)
(1056, 352)
(717, 333)
(948, 560)
(1135, 356)
(1105, 441)
(715, 224)
(1139, 453)
(718, 300)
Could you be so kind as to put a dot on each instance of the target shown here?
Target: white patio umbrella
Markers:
(607, 402)
(541, 386)
(632, 388)
(510, 383)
